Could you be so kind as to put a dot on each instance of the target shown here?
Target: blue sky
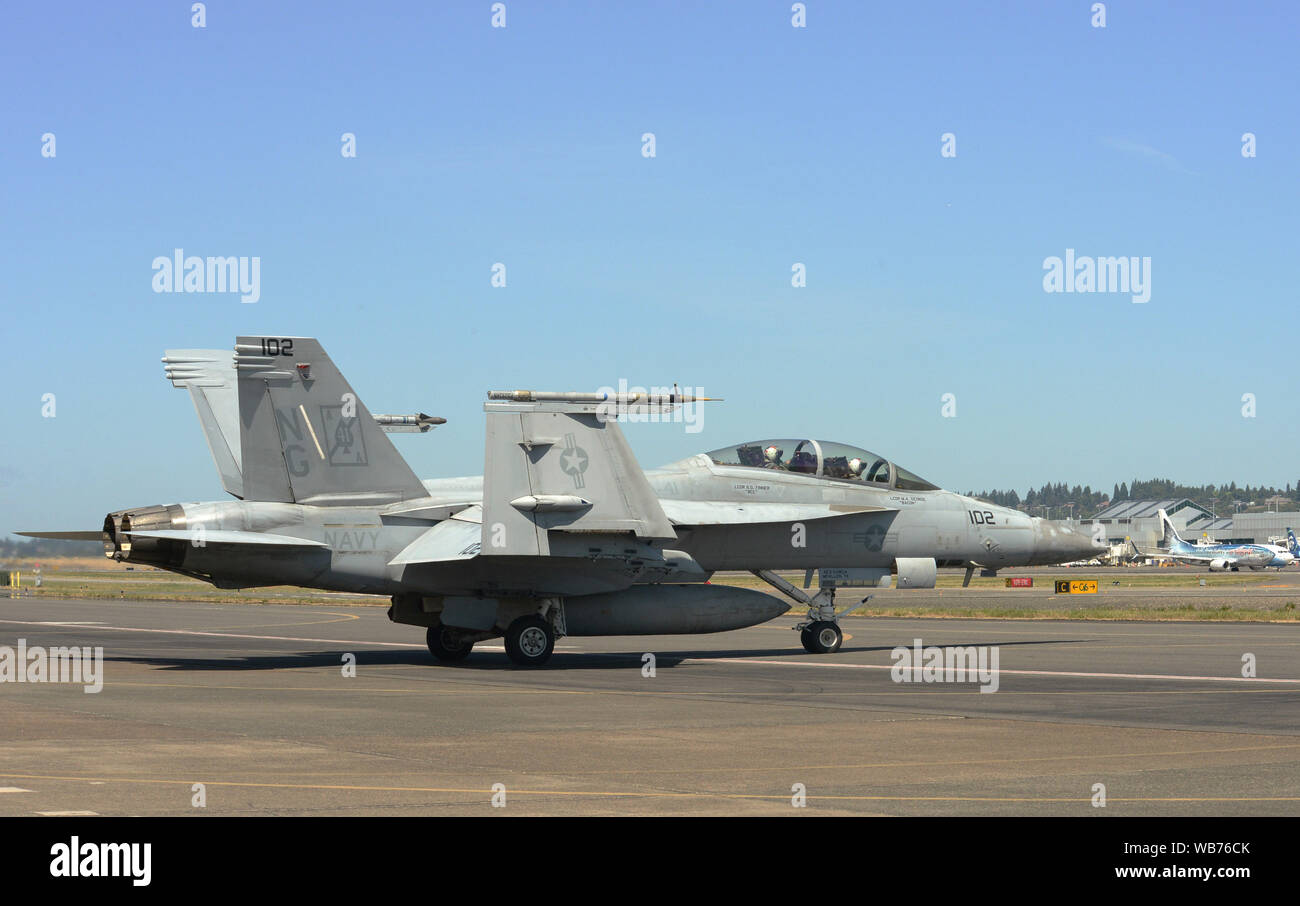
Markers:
(774, 145)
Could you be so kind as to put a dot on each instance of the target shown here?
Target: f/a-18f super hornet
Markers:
(1216, 557)
(564, 534)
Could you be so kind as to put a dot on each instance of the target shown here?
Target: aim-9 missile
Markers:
(408, 424)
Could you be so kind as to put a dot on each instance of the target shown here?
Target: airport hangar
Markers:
(1139, 520)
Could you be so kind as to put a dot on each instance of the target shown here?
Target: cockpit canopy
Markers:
(821, 459)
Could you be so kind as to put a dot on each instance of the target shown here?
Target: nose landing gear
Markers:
(821, 637)
(820, 633)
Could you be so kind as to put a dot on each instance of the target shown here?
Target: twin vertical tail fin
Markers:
(305, 436)
(209, 376)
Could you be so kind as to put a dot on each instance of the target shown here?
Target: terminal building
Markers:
(1139, 520)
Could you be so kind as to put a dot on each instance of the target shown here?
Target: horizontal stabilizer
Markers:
(64, 536)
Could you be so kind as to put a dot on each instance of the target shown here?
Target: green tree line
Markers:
(18, 549)
(1084, 501)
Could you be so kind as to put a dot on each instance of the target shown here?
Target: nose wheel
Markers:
(821, 637)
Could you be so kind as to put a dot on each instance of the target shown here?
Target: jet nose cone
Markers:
(1081, 542)
(1061, 542)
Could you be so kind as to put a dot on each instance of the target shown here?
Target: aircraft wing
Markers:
(1162, 554)
(555, 465)
(708, 512)
(1156, 554)
(1193, 560)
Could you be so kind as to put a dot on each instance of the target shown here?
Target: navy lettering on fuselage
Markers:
(352, 541)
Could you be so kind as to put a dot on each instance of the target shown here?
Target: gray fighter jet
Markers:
(564, 534)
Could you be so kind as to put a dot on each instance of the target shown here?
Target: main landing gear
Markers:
(820, 633)
(532, 628)
(530, 641)
(446, 644)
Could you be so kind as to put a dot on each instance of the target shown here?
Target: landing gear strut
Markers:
(820, 633)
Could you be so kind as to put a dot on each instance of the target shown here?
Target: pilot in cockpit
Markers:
(879, 470)
(772, 457)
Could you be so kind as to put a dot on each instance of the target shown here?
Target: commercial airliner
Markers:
(1220, 557)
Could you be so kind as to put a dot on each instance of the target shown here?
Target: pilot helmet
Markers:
(856, 465)
(772, 453)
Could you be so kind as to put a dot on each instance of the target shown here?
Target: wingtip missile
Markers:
(408, 424)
